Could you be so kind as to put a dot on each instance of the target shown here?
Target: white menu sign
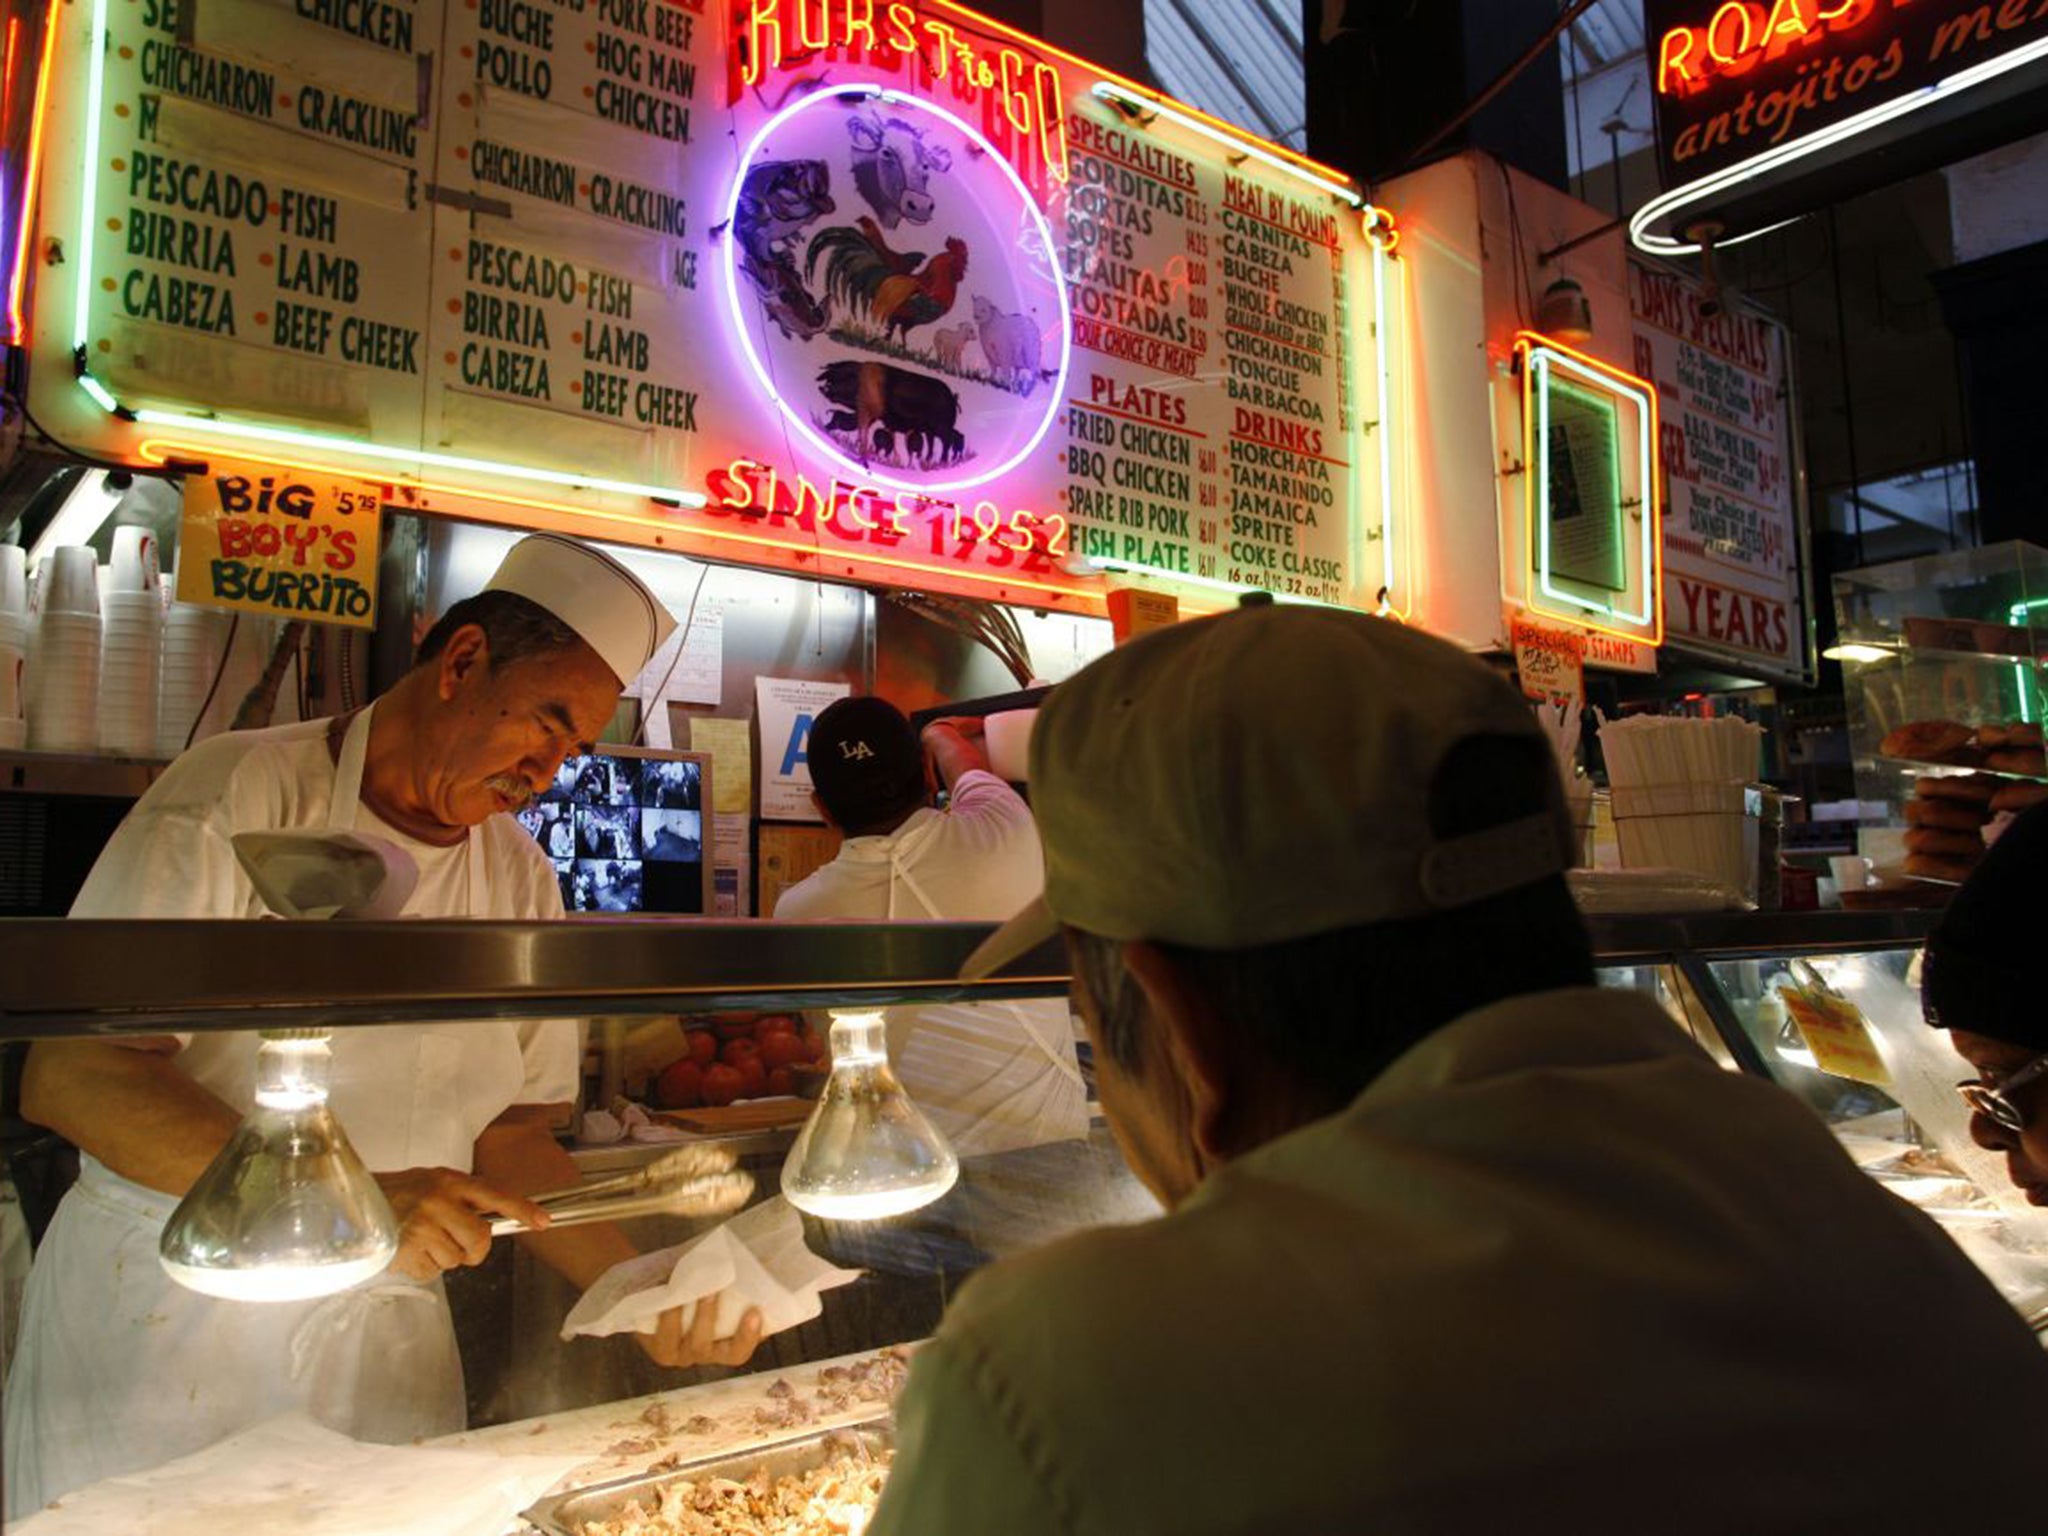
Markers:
(885, 293)
(1733, 580)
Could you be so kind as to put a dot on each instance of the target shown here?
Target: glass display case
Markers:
(1941, 660)
(1827, 1005)
(812, 1407)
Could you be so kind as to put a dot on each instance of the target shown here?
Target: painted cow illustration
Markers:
(1010, 343)
(879, 401)
(777, 201)
(893, 167)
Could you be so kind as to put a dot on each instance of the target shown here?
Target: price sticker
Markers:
(1835, 1030)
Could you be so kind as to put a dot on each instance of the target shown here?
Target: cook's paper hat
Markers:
(593, 594)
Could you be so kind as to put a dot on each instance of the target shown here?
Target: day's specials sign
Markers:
(1733, 583)
(885, 283)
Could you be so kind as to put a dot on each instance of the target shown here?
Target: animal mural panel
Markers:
(777, 200)
(898, 290)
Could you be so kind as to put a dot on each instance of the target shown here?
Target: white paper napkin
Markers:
(291, 1474)
(758, 1259)
(327, 874)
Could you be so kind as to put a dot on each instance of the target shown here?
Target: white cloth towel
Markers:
(289, 1473)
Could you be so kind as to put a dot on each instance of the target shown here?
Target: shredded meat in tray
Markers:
(836, 1499)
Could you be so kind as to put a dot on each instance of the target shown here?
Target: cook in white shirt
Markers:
(119, 1368)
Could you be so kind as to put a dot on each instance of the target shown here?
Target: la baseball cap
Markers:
(590, 592)
(865, 759)
(1265, 775)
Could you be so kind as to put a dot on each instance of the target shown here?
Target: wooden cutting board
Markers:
(747, 1115)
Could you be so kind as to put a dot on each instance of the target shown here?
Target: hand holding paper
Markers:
(757, 1259)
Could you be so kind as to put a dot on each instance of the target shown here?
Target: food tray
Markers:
(1922, 764)
(563, 1514)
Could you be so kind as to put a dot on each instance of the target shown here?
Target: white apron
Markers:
(980, 1070)
(121, 1369)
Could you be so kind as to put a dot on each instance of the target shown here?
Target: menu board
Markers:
(258, 235)
(1186, 275)
(885, 284)
(1733, 582)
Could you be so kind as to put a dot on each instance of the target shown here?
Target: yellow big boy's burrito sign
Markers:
(267, 540)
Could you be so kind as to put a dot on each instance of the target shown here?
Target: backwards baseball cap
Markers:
(865, 760)
(1265, 775)
(1979, 972)
(590, 592)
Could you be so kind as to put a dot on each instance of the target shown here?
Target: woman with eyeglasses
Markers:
(1982, 981)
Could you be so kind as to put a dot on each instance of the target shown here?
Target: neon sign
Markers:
(845, 338)
(1768, 108)
(855, 485)
(892, 520)
(1741, 35)
(1559, 462)
(769, 35)
(1321, 177)
(16, 261)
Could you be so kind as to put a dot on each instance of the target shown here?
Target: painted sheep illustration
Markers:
(1010, 344)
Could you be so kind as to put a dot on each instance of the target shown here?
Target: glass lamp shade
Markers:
(866, 1152)
(287, 1210)
(1565, 312)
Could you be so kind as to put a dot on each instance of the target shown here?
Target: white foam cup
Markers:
(13, 581)
(134, 560)
(13, 663)
(71, 580)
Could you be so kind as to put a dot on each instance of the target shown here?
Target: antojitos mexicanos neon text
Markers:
(771, 34)
(1745, 33)
(903, 522)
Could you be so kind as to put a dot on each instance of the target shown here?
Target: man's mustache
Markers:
(517, 790)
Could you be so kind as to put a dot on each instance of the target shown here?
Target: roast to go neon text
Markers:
(1742, 34)
(772, 34)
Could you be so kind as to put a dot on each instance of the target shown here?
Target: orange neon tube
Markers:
(18, 278)
(1138, 89)
(160, 451)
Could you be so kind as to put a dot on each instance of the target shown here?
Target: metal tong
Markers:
(690, 1181)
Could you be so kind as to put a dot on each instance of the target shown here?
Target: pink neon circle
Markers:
(797, 417)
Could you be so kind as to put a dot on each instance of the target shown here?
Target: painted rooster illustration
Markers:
(900, 289)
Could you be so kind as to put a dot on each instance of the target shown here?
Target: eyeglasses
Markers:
(1994, 1100)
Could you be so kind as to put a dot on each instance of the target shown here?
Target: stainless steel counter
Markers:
(59, 976)
(1620, 937)
(63, 977)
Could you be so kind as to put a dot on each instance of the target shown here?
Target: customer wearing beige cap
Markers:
(1457, 1241)
(118, 1367)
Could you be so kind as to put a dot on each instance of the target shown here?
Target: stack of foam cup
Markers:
(195, 645)
(65, 680)
(131, 645)
(14, 633)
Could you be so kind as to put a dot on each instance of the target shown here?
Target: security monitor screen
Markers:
(625, 830)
